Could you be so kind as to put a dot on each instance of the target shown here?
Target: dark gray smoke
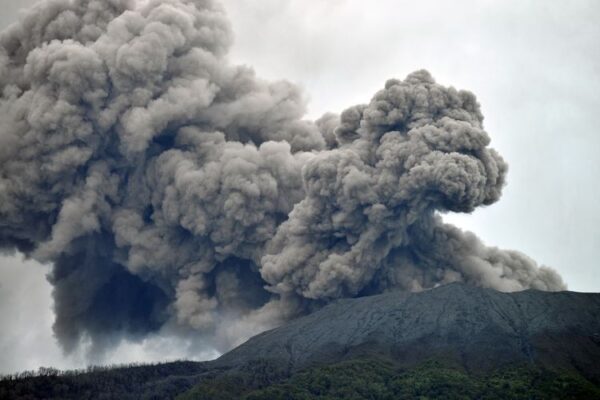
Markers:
(170, 188)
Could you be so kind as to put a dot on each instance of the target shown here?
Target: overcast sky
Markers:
(534, 66)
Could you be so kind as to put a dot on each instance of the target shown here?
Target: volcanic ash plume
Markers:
(169, 188)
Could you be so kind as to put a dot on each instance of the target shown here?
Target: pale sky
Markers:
(533, 65)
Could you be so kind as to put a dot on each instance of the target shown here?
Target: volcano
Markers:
(453, 341)
(476, 328)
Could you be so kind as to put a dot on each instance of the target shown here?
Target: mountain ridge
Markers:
(478, 328)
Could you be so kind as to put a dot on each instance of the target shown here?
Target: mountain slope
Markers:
(480, 329)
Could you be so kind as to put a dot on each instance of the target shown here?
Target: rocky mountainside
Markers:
(476, 328)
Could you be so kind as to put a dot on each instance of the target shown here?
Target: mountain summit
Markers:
(474, 327)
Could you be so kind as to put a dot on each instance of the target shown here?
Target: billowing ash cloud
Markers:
(169, 188)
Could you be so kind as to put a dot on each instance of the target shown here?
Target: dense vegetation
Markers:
(354, 379)
(157, 381)
(377, 379)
